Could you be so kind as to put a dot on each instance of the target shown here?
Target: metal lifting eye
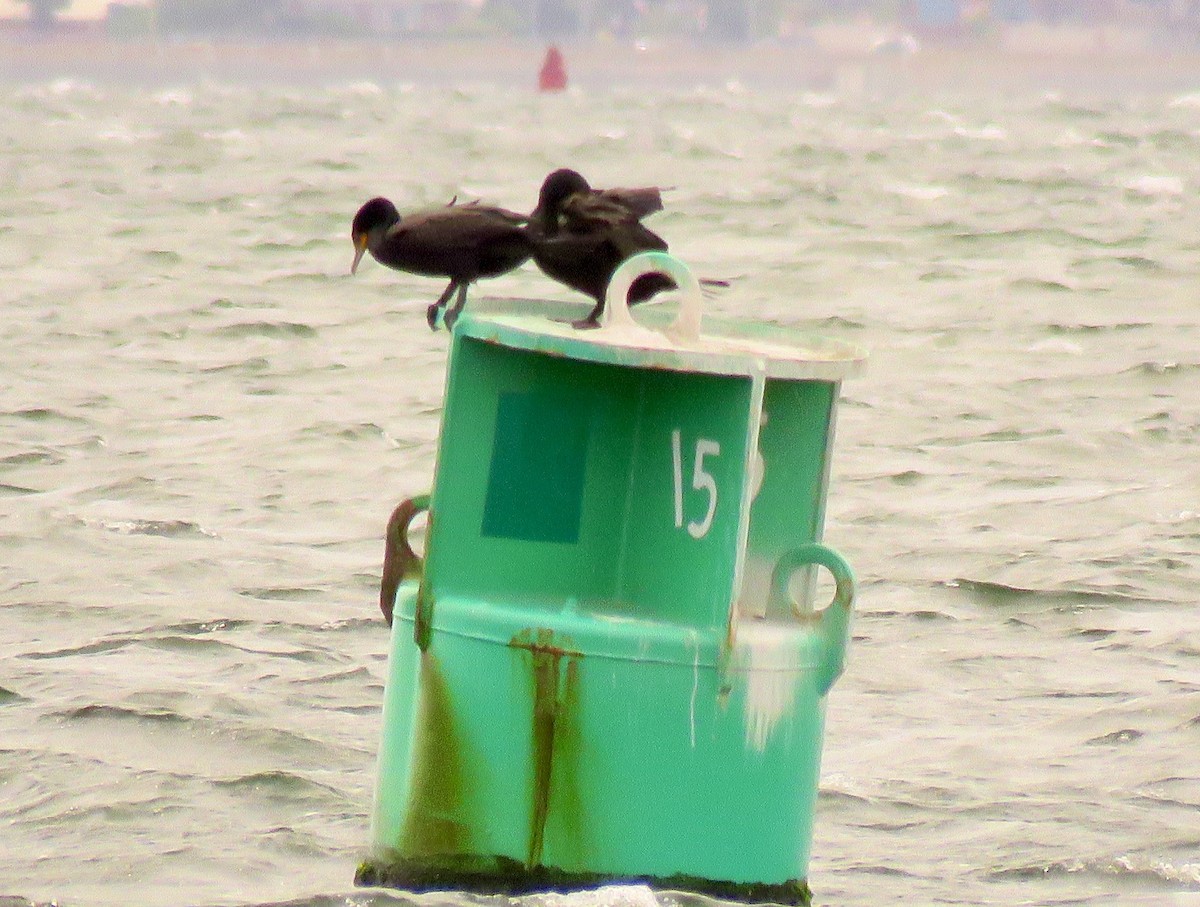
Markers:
(804, 556)
(686, 326)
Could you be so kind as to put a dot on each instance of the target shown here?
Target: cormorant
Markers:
(461, 242)
(583, 234)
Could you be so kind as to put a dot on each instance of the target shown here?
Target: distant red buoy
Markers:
(553, 74)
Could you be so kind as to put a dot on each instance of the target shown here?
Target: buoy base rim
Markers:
(508, 877)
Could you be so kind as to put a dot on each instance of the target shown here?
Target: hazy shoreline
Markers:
(597, 65)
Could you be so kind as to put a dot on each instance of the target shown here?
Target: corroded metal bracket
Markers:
(400, 562)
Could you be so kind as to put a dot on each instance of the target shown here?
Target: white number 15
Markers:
(701, 481)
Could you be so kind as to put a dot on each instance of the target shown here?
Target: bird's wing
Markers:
(502, 214)
(640, 202)
(634, 237)
(456, 226)
(511, 218)
(463, 242)
(586, 212)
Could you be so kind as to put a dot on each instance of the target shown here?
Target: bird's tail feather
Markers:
(710, 285)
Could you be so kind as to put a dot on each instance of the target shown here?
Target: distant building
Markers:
(75, 11)
(383, 16)
(1158, 23)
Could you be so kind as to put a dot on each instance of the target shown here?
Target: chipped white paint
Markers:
(756, 586)
(684, 334)
(758, 390)
(636, 336)
(791, 355)
(758, 468)
(769, 655)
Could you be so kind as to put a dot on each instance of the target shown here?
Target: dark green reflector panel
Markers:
(535, 484)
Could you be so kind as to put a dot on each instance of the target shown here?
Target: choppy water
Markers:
(204, 423)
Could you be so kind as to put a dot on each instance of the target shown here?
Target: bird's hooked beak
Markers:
(360, 248)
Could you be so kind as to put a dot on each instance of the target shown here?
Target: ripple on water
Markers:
(283, 330)
(989, 592)
(161, 528)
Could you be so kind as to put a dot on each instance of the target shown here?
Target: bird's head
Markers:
(557, 188)
(373, 219)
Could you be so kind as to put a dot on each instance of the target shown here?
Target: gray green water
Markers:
(204, 422)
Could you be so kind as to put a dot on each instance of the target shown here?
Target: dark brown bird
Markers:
(583, 234)
(564, 182)
(400, 562)
(462, 242)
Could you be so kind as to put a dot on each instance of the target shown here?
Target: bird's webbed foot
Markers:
(452, 313)
(591, 320)
(432, 316)
(434, 311)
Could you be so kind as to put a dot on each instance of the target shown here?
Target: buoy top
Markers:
(686, 344)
